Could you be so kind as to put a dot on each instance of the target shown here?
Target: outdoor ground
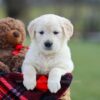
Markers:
(86, 56)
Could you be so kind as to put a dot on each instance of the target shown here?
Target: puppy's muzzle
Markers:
(48, 45)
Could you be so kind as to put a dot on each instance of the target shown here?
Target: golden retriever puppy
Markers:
(49, 52)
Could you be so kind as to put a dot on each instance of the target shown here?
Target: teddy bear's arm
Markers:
(4, 67)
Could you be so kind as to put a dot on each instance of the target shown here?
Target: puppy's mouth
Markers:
(49, 49)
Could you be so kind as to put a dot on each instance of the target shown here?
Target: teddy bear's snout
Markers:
(16, 34)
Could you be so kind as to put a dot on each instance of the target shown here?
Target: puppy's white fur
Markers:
(55, 62)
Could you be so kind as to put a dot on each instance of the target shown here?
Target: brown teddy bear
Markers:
(12, 51)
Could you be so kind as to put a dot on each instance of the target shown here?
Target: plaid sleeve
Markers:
(11, 88)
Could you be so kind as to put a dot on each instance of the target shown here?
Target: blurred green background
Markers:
(85, 44)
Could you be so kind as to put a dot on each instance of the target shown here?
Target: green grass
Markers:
(85, 85)
(86, 81)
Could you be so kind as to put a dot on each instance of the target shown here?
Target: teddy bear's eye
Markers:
(41, 32)
(55, 32)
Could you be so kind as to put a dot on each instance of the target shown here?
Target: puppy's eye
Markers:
(41, 32)
(55, 32)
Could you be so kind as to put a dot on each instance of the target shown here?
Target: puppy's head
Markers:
(50, 32)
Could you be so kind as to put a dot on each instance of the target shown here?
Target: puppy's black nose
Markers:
(48, 44)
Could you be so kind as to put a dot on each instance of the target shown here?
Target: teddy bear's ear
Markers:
(31, 29)
(20, 23)
(21, 28)
(67, 28)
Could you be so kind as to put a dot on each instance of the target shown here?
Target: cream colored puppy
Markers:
(48, 52)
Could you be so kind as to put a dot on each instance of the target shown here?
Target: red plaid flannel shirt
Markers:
(11, 88)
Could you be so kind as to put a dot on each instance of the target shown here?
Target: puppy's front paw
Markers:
(53, 85)
(29, 83)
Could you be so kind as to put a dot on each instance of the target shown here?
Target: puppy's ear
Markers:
(31, 29)
(67, 28)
